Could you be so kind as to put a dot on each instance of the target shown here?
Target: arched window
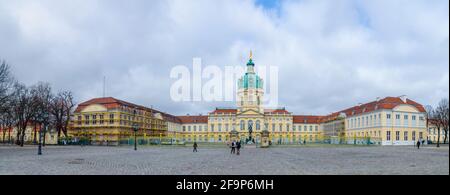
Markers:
(250, 125)
(258, 127)
(242, 125)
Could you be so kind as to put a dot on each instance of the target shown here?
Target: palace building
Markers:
(387, 121)
(107, 121)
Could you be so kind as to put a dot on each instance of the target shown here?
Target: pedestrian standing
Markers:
(418, 144)
(195, 147)
(233, 147)
(238, 146)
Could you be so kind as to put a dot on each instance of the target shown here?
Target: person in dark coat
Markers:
(195, 147)
(233, 147)
(418, 144)
(238, 146)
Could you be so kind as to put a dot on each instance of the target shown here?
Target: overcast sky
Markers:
(331, 54)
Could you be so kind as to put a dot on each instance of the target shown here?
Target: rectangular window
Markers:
(405, 136)
(189, 128)
(220, 127)
(111, 119)
(86, 119)
(195, 128)
(293, 128)
(200, 128)
(273, 127)
(94, 119)
(101, 119)
(184, 128)
(79, 120)
(281, 127)
(212, 127)
(310, 128)
(388, 135)
(226, 127)
(397, 135)
(388, 116)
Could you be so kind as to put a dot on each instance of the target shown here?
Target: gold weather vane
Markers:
(251, 55)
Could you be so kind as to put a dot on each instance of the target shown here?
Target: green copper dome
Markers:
(250, 80)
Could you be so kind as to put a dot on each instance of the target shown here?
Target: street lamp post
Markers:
(45, 116)
(135, 128)
(135, 132)
(40, 142)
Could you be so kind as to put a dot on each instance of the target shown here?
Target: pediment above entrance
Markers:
(250, 112)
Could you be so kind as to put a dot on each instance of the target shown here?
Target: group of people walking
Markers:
(236, 147)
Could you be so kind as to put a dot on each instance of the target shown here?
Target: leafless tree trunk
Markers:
(42, 97)
(442, 117)
(24, 110)
(439, 118)
(61, 108)
(34, 134)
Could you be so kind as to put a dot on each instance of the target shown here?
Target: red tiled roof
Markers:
(306, 119)
(193, 119)
(111, 103)
(171, 118)
(224, 111)
(276, 111)
(386, 103)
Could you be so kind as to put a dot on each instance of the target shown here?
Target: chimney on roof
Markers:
(403, 98)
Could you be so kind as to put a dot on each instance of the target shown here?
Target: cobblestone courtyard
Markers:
(217, 160)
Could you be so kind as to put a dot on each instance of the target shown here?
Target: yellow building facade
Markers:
(249, 119)
(108, 121)
(31, 135)
(387, 121)
(384, 121)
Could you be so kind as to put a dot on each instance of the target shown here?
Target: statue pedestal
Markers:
(265, 139)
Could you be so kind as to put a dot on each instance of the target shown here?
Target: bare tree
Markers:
(24, 110)
(61, 108)
(41, 94)
(442, 117)
(7, 120)
(5, 83)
